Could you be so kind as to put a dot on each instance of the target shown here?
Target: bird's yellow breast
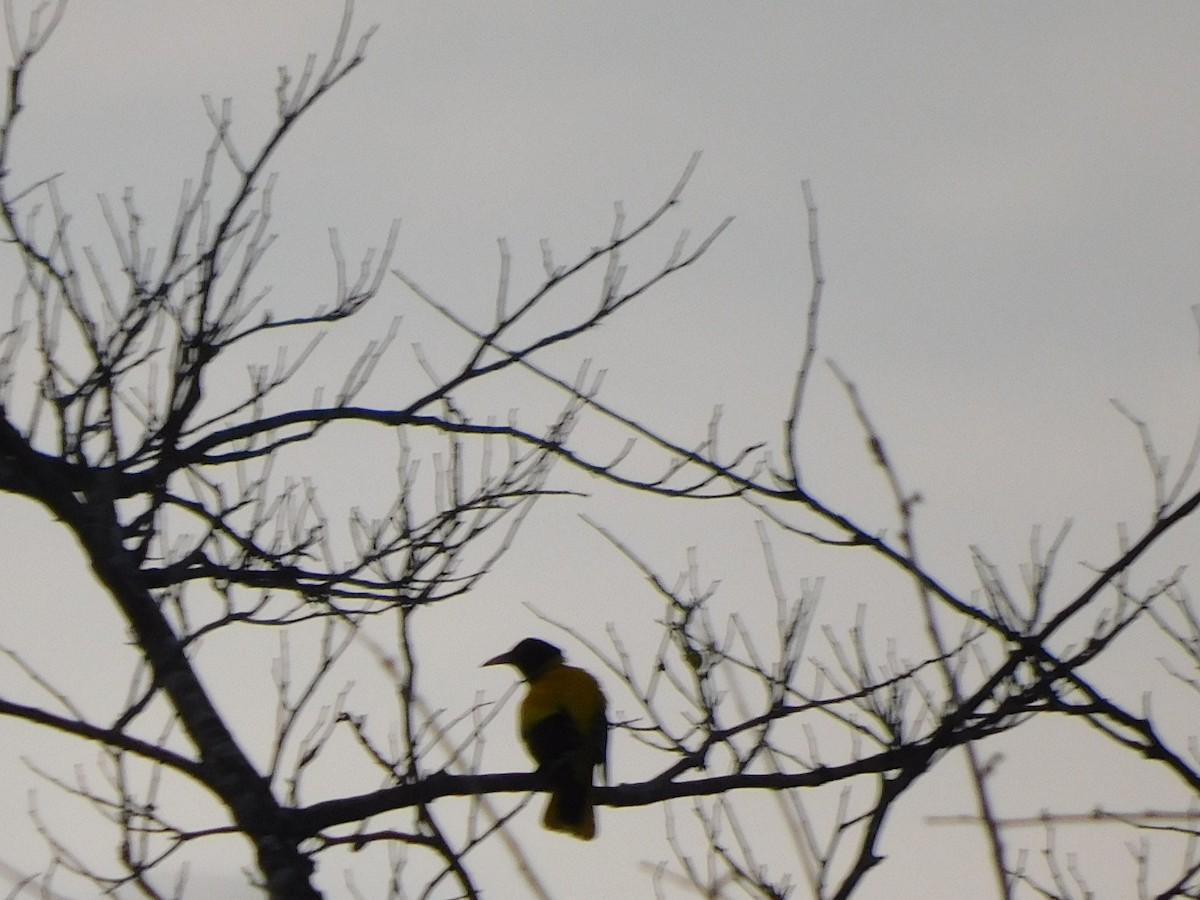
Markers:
(563, 689)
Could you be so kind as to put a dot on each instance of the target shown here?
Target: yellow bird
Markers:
(563, 725)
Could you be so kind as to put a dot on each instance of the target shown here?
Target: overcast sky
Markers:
(1009, 213)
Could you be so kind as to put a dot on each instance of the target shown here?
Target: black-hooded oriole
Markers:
(563, 725)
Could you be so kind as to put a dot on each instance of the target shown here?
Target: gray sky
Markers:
(1009, 219)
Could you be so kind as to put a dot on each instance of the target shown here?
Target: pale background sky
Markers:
(1009, 210)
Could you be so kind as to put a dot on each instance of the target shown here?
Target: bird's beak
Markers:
(501, 660)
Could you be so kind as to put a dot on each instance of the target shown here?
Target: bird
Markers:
(563, 724)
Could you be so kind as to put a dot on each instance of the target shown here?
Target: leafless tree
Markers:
(187, 494)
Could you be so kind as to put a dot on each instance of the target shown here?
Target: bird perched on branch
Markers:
(563, 725)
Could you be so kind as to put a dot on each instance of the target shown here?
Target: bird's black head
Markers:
(531, 656)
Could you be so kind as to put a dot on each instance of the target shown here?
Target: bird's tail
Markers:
(570, 809)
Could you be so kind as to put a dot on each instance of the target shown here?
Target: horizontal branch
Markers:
(109, 737)
(326, 814)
